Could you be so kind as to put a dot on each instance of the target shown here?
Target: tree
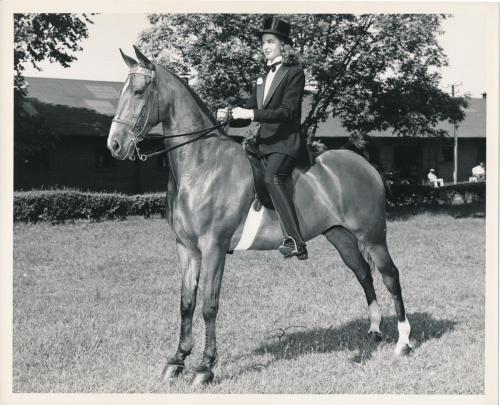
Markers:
(39, 37)
(373, 72)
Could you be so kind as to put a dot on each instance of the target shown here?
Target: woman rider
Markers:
(276, 103)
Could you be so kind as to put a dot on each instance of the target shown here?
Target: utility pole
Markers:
(455, 142)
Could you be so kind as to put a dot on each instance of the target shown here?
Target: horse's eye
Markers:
(138, 91)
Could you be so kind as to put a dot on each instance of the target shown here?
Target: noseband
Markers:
(140, 131)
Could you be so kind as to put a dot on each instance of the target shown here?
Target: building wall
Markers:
(470, 153)
(85, 163)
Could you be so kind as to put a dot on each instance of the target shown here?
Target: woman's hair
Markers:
(290, 56)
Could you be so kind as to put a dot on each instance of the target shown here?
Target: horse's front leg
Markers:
(190, 260)
(212, 269)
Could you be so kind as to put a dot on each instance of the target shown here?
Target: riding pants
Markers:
(278, 181)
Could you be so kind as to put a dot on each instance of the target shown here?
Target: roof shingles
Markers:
(97, 102)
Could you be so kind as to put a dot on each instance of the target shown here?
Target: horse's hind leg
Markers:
(382, 260)
(347, 245)
(190, 263)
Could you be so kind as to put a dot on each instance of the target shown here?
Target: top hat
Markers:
(278, 27)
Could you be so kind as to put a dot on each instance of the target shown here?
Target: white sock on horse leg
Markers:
(404, 330)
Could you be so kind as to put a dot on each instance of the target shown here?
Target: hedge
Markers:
(451, 194)
(60, 205)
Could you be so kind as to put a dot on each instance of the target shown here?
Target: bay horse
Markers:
(210, 198)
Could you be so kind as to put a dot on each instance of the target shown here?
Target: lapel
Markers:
(280, 74)
(260, 94)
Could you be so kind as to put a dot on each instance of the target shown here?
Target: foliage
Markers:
(147, 204)
(373, 72)
(425, 196)
(60, 205)
(39, 37)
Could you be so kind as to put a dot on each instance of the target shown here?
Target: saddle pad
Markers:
(250, 229)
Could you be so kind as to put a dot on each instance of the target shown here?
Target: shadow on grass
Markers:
(291, 343)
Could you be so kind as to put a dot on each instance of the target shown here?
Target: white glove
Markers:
(242, 113)
(222, 114)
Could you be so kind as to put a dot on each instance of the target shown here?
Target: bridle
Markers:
(140, 131)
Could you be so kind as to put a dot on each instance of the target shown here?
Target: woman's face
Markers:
(271, 46)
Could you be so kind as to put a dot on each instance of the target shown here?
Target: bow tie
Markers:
(272, 68)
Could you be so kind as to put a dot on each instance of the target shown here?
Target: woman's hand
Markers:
(222, 114)
(242, 114)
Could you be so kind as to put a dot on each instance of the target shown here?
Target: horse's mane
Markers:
(197, 98)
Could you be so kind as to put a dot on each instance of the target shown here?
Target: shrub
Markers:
(452, 194)
(148, 204)
(60, 205)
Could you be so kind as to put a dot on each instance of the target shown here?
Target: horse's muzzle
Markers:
(118, 143)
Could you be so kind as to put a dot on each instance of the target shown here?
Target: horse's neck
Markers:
(185, 115)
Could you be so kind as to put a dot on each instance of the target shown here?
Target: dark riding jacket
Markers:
(279, 115)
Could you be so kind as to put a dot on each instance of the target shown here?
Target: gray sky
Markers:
(463, 41)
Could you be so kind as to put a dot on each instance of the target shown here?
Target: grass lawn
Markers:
(96, 310)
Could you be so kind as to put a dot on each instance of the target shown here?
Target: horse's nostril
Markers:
(115, 145)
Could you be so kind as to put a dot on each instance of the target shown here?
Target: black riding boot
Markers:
(281, 194)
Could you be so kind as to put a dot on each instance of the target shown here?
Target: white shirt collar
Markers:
(276, 59)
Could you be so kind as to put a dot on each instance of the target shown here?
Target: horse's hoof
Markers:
(171, 371)
(375, 337)
(200, 379)
(402, 350)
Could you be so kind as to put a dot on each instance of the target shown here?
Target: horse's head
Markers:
(138, 107)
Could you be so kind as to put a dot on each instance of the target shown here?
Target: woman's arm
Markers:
(291, 103)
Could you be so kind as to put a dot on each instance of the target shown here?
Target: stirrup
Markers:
(290, 248)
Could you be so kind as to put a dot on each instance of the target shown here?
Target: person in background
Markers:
(479, 172)
(433, 179)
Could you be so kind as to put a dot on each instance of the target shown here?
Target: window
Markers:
(387, 158)
(447, 154)
(38, 160)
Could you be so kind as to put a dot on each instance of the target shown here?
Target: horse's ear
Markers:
(128, 60)
(143, 59)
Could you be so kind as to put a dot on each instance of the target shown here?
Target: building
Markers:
(79, 112)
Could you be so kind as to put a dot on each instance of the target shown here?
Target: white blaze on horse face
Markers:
(375, 317)
(132, 97)
(130, 105)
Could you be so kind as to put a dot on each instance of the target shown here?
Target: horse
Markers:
(210, 200)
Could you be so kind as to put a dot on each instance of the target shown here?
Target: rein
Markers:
(140, 133)
(145, 156)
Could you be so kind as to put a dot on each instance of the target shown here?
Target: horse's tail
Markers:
(367, 149)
